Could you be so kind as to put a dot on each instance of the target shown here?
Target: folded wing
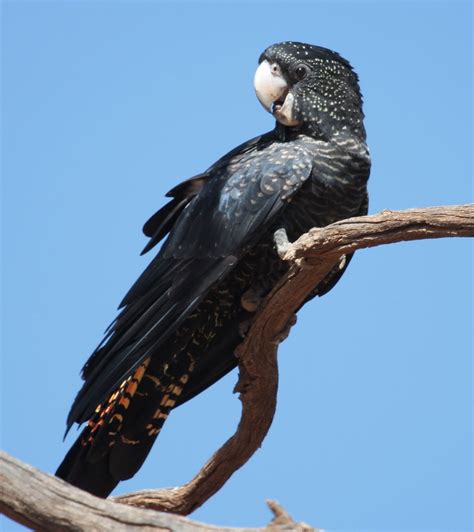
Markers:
(212, 220)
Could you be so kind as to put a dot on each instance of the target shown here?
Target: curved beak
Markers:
(273, 92)
(269, 84)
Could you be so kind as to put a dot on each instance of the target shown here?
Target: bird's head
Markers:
(309, 87)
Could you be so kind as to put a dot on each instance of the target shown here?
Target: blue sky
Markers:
(107, 105)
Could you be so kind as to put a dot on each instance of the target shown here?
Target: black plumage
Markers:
(181, 322)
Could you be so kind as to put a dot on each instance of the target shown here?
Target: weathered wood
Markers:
(42, 501)
(387, 227)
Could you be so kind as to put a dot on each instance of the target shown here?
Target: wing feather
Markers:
(210, 229)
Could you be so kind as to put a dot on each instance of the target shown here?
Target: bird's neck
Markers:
(323, 129)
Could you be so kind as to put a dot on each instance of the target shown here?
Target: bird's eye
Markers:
(300, 71)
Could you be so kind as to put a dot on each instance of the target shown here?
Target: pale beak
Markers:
(273, 92)
(269, 84)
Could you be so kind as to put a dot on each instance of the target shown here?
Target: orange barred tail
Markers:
(118, 437)
(86, 464)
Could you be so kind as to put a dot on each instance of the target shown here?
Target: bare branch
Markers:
(387, 227)
(44, 502)
(311, 258)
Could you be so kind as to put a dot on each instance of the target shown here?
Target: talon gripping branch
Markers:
(180, 323)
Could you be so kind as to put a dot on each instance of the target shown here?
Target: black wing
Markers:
(240, 195)
(160, 224)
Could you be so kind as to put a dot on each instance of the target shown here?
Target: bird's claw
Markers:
(282, 243)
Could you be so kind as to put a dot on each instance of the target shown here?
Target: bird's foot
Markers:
(250, 300)
(282, 243)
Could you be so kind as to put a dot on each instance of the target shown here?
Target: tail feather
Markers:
(92, 477)
(118, 437)
(87, 464)
(151, 406)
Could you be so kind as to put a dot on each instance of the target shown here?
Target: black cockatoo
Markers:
(180, 323)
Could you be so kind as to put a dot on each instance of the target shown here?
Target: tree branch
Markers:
(43, 502)
(311, 258)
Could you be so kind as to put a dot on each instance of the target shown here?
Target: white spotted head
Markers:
(309, 86)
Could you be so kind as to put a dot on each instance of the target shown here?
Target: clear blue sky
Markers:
(107, 105)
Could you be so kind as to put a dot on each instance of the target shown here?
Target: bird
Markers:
(179, 325)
